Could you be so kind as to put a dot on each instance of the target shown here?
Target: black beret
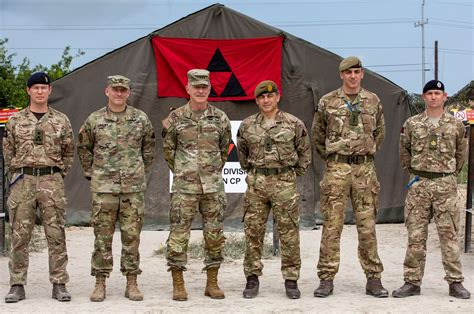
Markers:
(38, 78)
(433, 84)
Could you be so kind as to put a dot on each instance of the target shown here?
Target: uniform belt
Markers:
(272, 171)
(429, 175)
(38, 171)
(351, 159)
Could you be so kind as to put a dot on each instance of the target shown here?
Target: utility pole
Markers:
(422, 24)
(436, 60)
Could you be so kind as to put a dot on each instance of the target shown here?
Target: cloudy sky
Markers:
(381, 32)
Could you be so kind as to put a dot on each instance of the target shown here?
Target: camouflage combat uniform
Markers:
(29, 144)
(195, 148)
(347, 134)
(273, 155)
(116, 153)
(434, 153)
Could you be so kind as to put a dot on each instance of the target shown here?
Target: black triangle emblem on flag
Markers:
(233, 87)
(218, 63)
(212, 93)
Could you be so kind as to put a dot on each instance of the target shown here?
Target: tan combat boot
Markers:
(179, 292)
(98, 295)
(132, 291)
(212, 289)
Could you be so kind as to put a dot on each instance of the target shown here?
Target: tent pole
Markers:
(2, 207)
(470, 180)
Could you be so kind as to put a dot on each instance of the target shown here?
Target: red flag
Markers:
(236, 65)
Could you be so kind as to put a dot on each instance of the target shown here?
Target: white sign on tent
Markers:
(232, 174)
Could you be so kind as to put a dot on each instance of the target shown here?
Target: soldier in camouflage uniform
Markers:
(196, 139)
(116, 147)
(273, 147)
(348, 128)
(38, 150)
(433, 150)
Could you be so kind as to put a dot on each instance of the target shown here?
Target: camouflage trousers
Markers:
(26, 195)
(359, 181)
(277, 193)
(128, 208)
(426, 199)
(184, 208)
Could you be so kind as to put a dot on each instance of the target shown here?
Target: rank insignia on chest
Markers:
(433, 141)
(38, 137)
(268, 144)
(354, 118)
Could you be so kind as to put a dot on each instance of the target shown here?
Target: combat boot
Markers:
(292, 291)
(179, 291)
(325, 289)
(60, 292)
(251, 288)
(98, 295)
(374, 288)
(407, 290)
(457, 290)
(16, 293)
(212, 289)
(132, 291)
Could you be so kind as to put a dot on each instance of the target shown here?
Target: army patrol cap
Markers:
(266, 87)
(118, 80)
(198, 77)
(350, 62)
(38, 78)
(433, 85)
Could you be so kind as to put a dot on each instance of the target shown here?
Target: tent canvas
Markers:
(308, 72)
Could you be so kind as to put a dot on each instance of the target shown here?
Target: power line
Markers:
(392, 65)
(414, 70)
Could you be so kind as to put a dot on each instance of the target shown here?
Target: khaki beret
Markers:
(118, 80)
(265, 87)
(350, 62)
(199, 77)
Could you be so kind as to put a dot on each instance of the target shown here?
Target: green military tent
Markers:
(307, 73)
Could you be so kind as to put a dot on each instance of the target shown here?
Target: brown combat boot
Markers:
(251, 288)
(291, 288)
(98, 295)
(132, 291)
(16, 293)
(60, 293)
(325, 289)
(407, 290)
(179, 292)
(212, 289)
(457, 290)
(374, 288)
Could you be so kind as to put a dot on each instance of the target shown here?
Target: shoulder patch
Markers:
(163, 132)
(303, 134)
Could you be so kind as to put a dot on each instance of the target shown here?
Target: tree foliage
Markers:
(13, 77)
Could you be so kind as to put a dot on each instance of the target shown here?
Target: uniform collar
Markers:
(361, 95)
(128, 114)
(444, 117)
(188, 112)
(278, 117)
(31, 115)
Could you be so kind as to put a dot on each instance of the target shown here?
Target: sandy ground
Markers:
(155, 281)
